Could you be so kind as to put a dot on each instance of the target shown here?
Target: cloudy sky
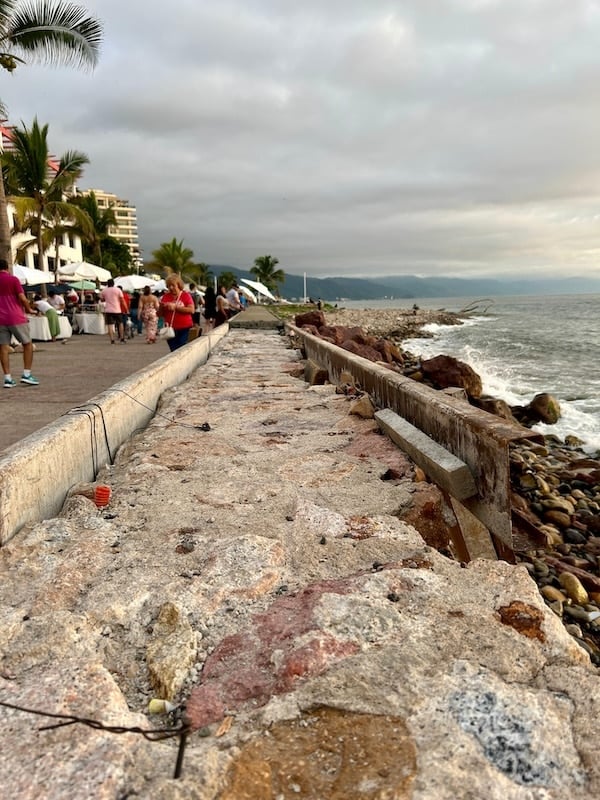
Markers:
(345, 137)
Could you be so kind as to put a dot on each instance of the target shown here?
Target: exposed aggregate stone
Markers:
(261, 575)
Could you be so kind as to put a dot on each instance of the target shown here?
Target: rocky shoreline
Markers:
(555, 485)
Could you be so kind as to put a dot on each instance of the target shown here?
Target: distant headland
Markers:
(412, 286)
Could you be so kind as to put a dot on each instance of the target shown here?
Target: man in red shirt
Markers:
(112, 297)
(13, 322)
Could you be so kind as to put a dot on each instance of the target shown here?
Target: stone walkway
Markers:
(260, 572)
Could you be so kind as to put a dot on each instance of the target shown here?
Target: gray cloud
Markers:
(451, 137)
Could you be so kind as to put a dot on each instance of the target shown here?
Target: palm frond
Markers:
(53, 32)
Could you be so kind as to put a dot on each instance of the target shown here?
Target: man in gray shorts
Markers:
(14, 322)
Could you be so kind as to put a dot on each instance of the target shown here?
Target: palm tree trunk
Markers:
(5, 240)
(40, 244)
(56, 259)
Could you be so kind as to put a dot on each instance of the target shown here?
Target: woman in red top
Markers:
(176, 309)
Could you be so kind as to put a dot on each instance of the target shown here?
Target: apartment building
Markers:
(126, 229)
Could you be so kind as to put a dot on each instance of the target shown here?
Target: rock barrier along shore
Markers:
(258, 576)
(555, 486)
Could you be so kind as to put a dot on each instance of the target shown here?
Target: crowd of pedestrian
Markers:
(180, 314)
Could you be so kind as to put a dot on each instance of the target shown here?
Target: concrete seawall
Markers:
(38, 471)
(479, 439)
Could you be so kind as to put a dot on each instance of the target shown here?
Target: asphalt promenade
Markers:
(69, 374)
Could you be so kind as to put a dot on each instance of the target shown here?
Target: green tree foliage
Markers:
(200, 274)
(101, 220)
(171, 257)
(45, 32)
(265, 271)
(226, 279)
(37, 190)
(116, 256)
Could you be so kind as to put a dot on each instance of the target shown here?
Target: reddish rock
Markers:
(493, 405)
(427, 514)
(315, 318)
(356, 334)
(362, 350)
(389, 351)
(446, 371)
(312, 329)
(332, 333)
(524, 618)
(283, 646)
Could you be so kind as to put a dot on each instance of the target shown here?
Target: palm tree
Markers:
(48, 32)
(102, 219)
(227, 279)
(199, 274)
(60, 219)
(37, 184)
(172, 257)
(264, 270)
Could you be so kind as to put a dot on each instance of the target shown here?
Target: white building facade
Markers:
(69, 250)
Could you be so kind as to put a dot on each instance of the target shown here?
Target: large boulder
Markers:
(389, 351)
(362, 350)
(315, 318)
(546, 408)
(494, 405)
(445, 371)
(332, 333)
(543, 408)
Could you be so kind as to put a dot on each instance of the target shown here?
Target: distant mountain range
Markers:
(410, 286)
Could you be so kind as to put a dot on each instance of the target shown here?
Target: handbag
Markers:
(168, 331)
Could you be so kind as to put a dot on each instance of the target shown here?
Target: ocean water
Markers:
(521, 346)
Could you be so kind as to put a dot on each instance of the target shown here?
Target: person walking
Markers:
(112, 296)
(148, 314)
(176, 309)
(134, 309)
(233, 298)
(13, 322)
(222, 314)
(196, 296)
(210, 307)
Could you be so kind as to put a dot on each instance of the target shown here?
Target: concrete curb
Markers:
(37, 472)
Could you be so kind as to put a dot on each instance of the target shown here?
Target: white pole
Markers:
(305, 298)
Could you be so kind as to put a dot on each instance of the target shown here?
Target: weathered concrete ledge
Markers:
(37, 472)
(477, 438)
(448, 471)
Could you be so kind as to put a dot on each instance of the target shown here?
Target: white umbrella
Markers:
(32, 276)
(131, 283)
(83, 269)
(250, 295)
(259, 287)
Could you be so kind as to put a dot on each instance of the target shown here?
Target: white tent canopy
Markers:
(83, 270)
(32, 276)
(259, 287)
(250, 295)
(131, 283)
